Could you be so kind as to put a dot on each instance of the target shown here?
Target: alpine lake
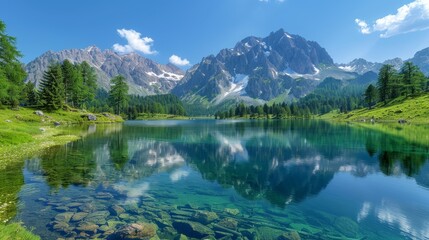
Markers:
(226, 179)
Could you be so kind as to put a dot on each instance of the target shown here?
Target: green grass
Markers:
(16, 231)
(22, 132)
(158, 116)
(414, 110)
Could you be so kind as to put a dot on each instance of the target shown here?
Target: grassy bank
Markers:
(158, 116)
(16, 231)
(24, 133)
(415, 110)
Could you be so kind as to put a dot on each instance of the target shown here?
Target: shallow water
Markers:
(239, 179)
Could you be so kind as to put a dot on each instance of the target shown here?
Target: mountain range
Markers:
(144, 76)
(281, 67)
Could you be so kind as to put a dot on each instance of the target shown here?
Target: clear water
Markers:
(264, 178)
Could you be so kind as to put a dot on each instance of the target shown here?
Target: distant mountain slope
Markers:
(362, 66)
(259, 69)
(421, 59)
(144, 76)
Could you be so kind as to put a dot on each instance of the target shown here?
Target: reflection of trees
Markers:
(395, 154)
(70, 164)
(11, 179)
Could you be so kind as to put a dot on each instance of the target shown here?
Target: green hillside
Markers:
(412, 110)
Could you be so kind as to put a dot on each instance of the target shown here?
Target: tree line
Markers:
(408, 82)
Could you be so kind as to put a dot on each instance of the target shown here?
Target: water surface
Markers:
(255, 179)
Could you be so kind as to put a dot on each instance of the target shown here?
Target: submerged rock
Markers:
(87, 227)
(229, 223)
(192, 229)
(104, 195)
(290, 236)
(116, 210)
(79, 216)
(205, 217)
(232, 211)
(61, 227)
(346, 226)
(135, 231)
(64, 217)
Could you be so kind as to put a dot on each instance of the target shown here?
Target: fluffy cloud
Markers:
(176, 60)
(135, 42)
(364, 29)
(411, 17)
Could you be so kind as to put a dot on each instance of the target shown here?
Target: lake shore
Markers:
(25, 132)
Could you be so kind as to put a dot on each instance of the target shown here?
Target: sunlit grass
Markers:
(16, 231)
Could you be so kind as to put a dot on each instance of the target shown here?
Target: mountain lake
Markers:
(226, 179)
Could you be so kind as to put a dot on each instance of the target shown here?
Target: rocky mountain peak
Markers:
(144, 76)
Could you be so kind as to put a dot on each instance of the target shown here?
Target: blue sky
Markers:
(192, 29)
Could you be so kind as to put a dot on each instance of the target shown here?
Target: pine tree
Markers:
(52, 88)
(118, 94)
(89, 79)
(413, 79)
(386, 82)
(12, 74)
(370, 95)
(31, 97)
(72, 83)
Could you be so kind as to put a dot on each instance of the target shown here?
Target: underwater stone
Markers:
(74, 205)
(268, 233)
(290, 236)
(116, 210)
(79, 216)
(104, 195)
(205, 217)
(346, 226)
(61, 209)
(87, 227)
(181, 237)
(124, 216)
(61, 227)
(192, 229)
(232, 211)
(87, 207)
(135, 231)
(229, 223)
(181, 213)
(64, 217)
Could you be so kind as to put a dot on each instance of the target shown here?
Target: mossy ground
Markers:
(16, 231)
(413, 110)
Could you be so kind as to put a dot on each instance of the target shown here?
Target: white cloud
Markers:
(176, 60)
(411, 17)
(364, 29)
(135, 42)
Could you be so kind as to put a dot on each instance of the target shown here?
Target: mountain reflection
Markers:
(280, 161)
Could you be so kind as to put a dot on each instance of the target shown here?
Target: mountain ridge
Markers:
(144, 76)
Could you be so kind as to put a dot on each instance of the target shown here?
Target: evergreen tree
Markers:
(89, 79)
(118, 94)
(370, 95)
(385, 79)
(12, 74)
(30, 97)
(52, 88)
(413, 79)
(72, 83)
